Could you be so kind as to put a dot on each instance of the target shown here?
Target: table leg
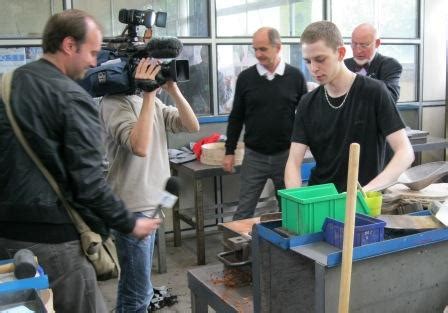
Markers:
(161, 249)
(198, 303)
(199, 211)
(176, 220)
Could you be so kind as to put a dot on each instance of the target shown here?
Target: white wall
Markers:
(434, 49)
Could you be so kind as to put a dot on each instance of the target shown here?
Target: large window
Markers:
(197, 90)
(407, 56)
(243, 18)
(186, 18)
(217, 36)
(393, 18)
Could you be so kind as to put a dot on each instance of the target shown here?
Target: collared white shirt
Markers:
(279, 70)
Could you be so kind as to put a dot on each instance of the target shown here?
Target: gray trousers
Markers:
(255, 171)
(72, 278)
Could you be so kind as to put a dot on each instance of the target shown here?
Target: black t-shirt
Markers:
(367, 117)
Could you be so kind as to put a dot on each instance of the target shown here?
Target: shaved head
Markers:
(365, 41)
(365, 29)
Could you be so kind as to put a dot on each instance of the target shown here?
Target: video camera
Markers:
(117, 61)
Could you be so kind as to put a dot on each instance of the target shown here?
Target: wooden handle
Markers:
(6, 268)
(349, 228)
(10, 267)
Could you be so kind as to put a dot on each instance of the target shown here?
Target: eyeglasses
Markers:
(362, 46)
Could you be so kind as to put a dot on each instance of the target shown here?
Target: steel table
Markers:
(198, 171)
(408, 276)
(208, 289)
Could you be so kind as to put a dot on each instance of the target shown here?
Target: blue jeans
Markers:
(134, 286)
(72, 278)
(255, 171)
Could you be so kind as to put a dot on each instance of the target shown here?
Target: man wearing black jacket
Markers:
(367, 61)
(60, 121)
(266, 97)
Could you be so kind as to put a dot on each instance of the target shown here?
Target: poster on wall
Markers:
(33, 54)
(11, 58)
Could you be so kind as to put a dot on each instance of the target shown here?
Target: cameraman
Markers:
(136, 143)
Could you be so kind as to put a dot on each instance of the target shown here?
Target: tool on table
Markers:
(24, 265)
(349, 229)
(410, 222)
(236, 258)
(420, 176)
(440, 211)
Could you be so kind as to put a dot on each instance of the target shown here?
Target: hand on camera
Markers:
(170, 86)
(147, 68)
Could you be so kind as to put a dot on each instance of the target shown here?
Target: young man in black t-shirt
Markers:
(345, 108)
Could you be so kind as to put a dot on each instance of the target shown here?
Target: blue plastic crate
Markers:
(305, 170)
(367, 230)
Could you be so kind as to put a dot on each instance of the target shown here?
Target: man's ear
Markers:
(377, 43)
(278, 47)
(69, 45)
(341, 53)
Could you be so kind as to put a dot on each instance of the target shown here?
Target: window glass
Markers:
(406, 55)
(184, 17)
(243, 18)
(24, 18)
(198, 89)
(393, 18)
(233, 59)
(11, 58)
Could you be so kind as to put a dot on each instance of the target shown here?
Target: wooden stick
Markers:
(349, 228)
(7, 268)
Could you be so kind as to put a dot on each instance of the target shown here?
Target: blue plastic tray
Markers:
(38, 282)
(266, 231)
(332, 256)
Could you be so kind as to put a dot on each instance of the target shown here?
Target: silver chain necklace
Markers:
(333, 106)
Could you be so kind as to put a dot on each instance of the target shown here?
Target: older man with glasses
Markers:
(367, 61)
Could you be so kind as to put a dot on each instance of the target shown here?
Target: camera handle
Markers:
(147, 85)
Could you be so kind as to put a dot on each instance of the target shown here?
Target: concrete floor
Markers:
(179, 261)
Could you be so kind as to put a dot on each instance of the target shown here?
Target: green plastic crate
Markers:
(304, 209)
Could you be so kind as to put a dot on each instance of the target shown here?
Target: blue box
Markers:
(305, 170)
(367, 230)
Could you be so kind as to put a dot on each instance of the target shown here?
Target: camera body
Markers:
(117, 61)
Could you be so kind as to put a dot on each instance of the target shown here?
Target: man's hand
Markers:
(170, 87)
(147, 69)
(228, 163)
(145, 226)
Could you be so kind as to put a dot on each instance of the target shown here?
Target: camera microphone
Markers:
(164, 47)
(169, 196)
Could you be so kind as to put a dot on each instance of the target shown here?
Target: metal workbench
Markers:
(403, 275)
(198, 171)
(208, 289)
